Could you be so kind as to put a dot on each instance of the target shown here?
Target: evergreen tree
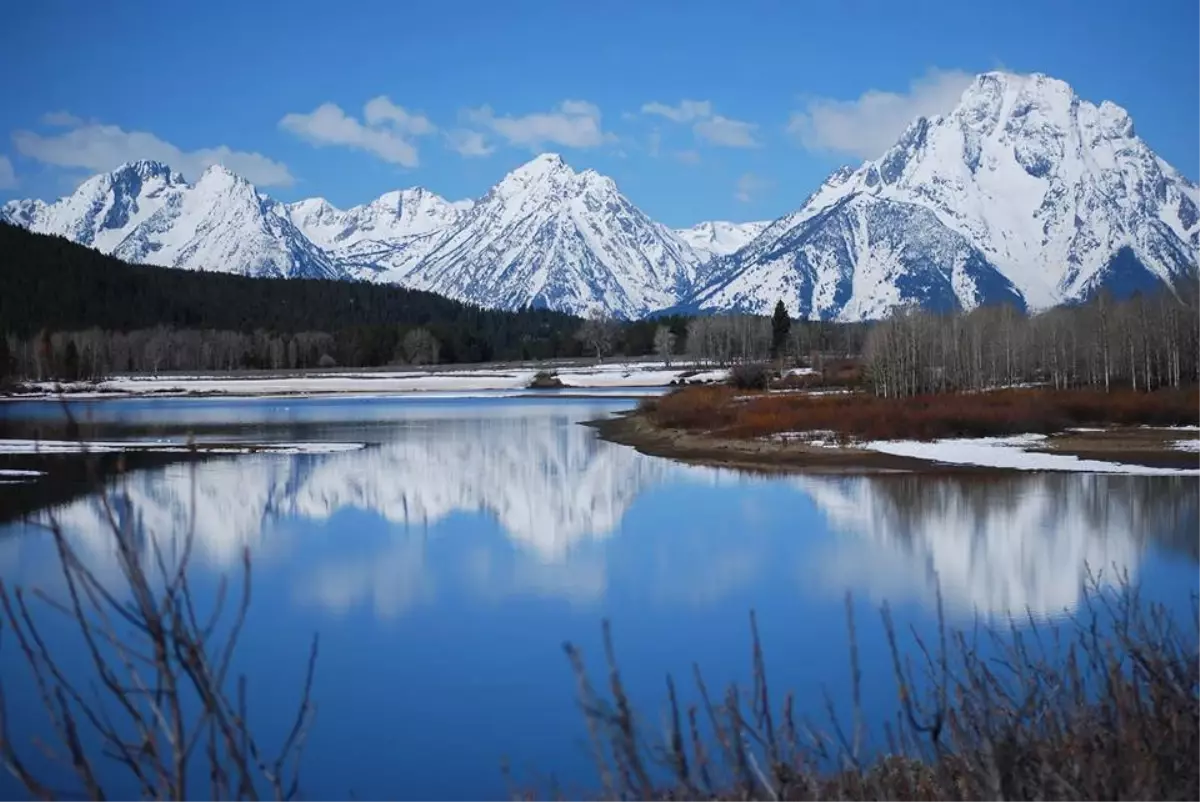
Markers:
(781, 324)
(71, 362)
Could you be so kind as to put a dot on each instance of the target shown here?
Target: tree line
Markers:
(734, 338)
(69, 312)
(1145, 342)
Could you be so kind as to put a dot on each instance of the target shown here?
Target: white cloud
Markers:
(381, 110)
(654, 143)
(687, 156)
(98, 147)
(8, 176)
(728, 133)
(750, 187)
(387, 132)
(868, 126)
(685, 112)
(706, 125)
(61, 119)
(574, 124)
(468, 144)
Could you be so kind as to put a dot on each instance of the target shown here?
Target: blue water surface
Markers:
(445, 563)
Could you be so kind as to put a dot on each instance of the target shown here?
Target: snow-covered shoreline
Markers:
(1018, 452)
(635, 377)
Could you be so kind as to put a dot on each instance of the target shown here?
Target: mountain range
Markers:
(1024, 194)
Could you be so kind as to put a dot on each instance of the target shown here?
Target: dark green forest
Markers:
(68, 311)
(50, 283)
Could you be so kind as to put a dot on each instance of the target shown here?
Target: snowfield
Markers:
(645, 378)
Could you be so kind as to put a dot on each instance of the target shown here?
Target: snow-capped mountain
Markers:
(1024, 192)
(720, 237)
(545, 235)
(379, 240)
(144, 212)
(549, 236)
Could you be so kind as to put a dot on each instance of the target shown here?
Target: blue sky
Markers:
(350, 100)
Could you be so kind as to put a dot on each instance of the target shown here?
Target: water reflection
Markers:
(367, 528)
(445, 562)
(1002, 544)
(548, 482)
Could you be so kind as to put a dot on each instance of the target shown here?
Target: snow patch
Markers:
(485, 382)
(1010, 452)
(16, 446)
(9, 473)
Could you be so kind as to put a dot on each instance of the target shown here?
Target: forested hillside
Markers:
(50, 285)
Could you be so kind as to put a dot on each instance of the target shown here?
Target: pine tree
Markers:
(781, 324)
(70, 367)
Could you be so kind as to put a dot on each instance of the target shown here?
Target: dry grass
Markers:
(1103, 706)
(724, 412)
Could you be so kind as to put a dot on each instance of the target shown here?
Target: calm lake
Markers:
(446, 561)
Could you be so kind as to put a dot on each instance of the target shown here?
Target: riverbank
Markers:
(1008, 430)
(637, 430)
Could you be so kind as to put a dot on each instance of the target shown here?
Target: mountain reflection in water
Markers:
(997, 544)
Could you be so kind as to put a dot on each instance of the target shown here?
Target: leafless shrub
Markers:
(1102, 706)
(751, 375)
(163, 704)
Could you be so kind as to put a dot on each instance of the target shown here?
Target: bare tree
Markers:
(664, 344)
(420, 347)
(598, 333)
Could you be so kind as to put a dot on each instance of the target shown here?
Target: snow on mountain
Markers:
(143, 212)
(549, 236)
(545, 235)
(855, 260)
(382, 239)
(719, 237)
(1023, 189)
(24, 213)
(1023, 194)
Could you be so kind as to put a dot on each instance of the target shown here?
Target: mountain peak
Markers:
(1023, 193)
(544, 175)
(1019, 81)
(317, 204)
(715, 238)
(221, 172)
(548, 159)
(146, 168)
(545, 164)
(548, 236)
